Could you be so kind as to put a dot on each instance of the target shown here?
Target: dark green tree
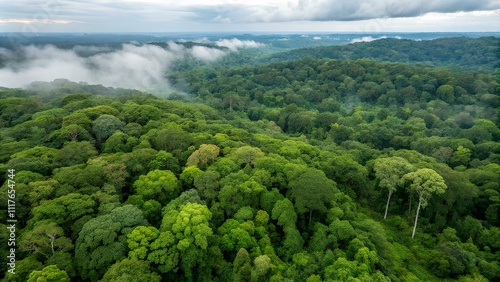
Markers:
(311, 191)
(102, 241)
(105, 125)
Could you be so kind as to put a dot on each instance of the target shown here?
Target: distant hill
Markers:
(482, 54)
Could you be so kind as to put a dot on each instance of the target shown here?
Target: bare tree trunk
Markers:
(416, 219)
(387, 205)
(52, 238)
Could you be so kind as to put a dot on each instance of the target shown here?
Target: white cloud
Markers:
(133, 66)
(235, 44)
(203, 53)
(370, 38)
(207, 54)
(138, 67)
(366, 39)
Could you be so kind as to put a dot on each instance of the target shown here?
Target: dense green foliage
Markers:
(465, 53)
(276, 172)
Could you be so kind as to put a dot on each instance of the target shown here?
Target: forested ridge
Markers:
(311, 169)
(478, 54)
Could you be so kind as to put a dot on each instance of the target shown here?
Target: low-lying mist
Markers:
(133, 66)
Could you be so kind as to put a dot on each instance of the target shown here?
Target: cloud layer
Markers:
(230, 15)
(132, 66)
(340, 10)
(138, 67)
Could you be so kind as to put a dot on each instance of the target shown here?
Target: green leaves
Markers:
(164, 252)
(206, 154)
(102, 240)
(229, 197)
(247, 155)
(49, 273)
(191, 226)
(390, 171)
(239, 190)
(65, 210)
(182, 231)
(425, 182)
(161, 185)
(130, 270)
(139, 241)
(46, 239)
(311, 190)
(105, 125)
(235, 235)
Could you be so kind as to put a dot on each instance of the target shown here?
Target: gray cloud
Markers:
(222, 15)
(340, 10)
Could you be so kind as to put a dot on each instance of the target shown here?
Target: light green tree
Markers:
(205, 155)
(189, 174)
(390, 172)
(191, 226)
(161, 185)
(461, 156)
(181, 243)
(139, 241)
(247, 155)
(164, 253)
(242, 268)
(424, 182)
(262, 265)
(49, 273)
(130, 270)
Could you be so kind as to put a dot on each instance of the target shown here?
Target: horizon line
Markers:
(234, 32)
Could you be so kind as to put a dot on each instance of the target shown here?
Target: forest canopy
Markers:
(309, 169)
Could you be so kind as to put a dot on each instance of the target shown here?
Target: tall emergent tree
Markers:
(390, 172)
(425, 182)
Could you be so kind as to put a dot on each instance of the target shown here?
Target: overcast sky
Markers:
(241, 16)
